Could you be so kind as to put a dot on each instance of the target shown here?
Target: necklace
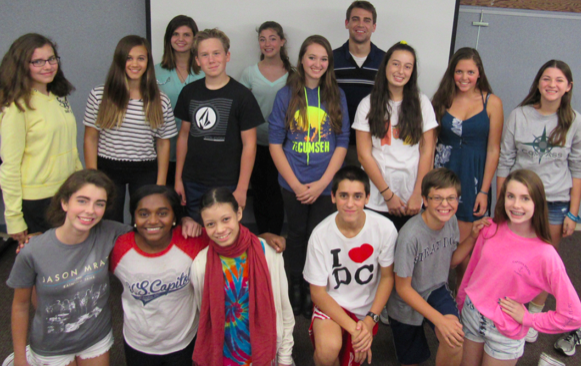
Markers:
(180, 75)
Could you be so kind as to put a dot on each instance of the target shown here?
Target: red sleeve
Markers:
(123, 244)
(190, 246)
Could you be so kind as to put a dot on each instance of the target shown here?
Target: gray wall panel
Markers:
(86, 33)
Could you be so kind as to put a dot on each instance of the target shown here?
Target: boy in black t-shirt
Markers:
(217, 141)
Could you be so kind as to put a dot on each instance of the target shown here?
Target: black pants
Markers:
(34, 212)
(302, 219)
(123, 174)
(268, 204)
(183, 357)
(398, 221)
(171, 175)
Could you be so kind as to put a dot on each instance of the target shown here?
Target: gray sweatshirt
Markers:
(525, 145)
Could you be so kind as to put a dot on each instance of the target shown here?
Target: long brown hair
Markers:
(15, 83)
(540, 219)
(410, 121)
(56, 215)
(283, 52)
(168, 61)
(566, 113)
(116, 92)
(447, 89)
(330, 94)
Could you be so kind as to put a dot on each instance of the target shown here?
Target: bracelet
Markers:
(384, 190)
(577, 219)
(484, 193)
(392, 194)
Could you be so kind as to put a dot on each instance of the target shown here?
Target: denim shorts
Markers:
(557, 212)
(480, 329)
(96, 350)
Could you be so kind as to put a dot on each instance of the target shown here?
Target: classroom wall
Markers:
(425, 25)
(516, 44)
(86, 33)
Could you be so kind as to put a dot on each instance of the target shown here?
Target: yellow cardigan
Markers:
(39, 152)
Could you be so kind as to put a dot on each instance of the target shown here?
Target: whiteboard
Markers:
(426, 25)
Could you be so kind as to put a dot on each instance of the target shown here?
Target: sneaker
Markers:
(383, 316)
(546, 360)
(567, 343)
(531, 336)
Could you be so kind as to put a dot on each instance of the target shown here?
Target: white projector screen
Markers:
(426, 25)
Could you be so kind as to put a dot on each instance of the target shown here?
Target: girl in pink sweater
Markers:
(512, 263)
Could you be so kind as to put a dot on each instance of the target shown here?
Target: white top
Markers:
(349, 267)
(159, 313)
(134, 140)
(397, 160)
(285, 319)
(358, 60)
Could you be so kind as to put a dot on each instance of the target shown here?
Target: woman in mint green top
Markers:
(177, 69)
(265, 79)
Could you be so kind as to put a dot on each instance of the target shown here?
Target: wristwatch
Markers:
(373, 317)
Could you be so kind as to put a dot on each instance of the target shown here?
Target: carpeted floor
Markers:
(383, 351)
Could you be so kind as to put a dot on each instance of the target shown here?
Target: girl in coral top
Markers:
(494, 288)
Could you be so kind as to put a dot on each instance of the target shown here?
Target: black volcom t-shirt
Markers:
(217, 117)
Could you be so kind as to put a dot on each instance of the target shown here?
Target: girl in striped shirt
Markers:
(128, 123)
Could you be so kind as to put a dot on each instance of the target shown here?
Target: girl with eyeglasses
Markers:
(38, 132)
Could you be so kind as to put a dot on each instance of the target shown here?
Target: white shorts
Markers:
(96, 350)
(480, 329)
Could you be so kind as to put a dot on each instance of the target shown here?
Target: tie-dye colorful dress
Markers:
(237, 350)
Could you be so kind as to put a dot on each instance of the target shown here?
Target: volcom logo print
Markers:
(210, 118)
(206, 118)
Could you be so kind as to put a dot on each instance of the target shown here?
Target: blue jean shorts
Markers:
(480, 329)
(557, 212)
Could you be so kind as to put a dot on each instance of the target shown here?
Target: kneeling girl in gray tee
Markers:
(68, 265)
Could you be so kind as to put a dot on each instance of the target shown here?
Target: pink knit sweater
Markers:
(505, 264)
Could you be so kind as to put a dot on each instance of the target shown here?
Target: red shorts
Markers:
(346, 355)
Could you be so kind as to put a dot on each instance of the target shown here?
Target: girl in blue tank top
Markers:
(471, 120)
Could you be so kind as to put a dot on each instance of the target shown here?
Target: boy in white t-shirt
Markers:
(350, 269)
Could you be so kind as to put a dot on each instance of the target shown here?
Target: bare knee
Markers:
(328, 342)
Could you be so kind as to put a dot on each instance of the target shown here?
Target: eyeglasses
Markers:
(40, 62)
(438, 199)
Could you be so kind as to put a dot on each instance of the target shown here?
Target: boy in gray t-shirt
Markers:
(426, 249)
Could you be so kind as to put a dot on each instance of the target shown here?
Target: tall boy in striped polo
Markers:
(356, 63)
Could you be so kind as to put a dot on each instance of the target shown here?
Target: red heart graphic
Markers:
(360, 254)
